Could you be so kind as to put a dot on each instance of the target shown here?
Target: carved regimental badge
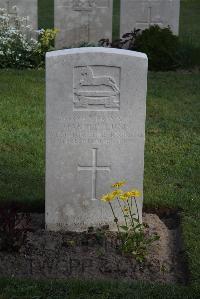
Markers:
(96, 88)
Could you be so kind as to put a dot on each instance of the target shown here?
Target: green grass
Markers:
(171, 168)
(22, 136)
(190, 33)
(46, 14)
(171, 165)
(27, 289)
(190, 22)
(172, 148)
(116, 19)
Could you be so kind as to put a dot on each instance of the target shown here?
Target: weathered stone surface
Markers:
(24, 8)
(95, 126)
(82, 20)
(141, 14)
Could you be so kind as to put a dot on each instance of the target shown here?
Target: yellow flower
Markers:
(117, 192)
(125, 209)
(135, 193)
(123, 197)
(119, 184)
(108, 197)
(126, 195)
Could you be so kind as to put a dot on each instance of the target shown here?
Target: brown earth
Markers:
(31, 252)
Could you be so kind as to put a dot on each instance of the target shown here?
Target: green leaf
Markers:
(124, 227)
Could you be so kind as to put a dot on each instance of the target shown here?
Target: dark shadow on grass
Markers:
(21, 188)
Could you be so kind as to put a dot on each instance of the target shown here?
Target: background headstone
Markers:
(141, 14)
(82, 20)
(95, 126)
(25, 8)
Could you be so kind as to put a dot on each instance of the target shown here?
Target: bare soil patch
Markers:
(28, 251)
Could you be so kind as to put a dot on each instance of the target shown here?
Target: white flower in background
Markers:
(19, 47)
(17, 42)
(40, 31)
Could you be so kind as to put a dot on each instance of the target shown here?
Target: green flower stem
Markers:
(131, 203)
(122, 211)
(136, 208)
(115, 218)
(130, 212)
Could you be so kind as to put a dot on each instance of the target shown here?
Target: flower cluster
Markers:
(131, 233)
(120, 194)
(17, 42)
(125, 201)
(19, 47)
(47, 36)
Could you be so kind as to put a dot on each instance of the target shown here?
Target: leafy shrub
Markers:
(87, 44)
(127, 41)
(46, 43)
(161, 47)
(19, 47)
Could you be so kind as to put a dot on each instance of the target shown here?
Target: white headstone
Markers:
(24, 8)
(141, 14)
(82, 21)
(95, 127)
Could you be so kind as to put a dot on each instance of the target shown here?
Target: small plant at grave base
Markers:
(131, 234)
(71, 243)
(163, 269)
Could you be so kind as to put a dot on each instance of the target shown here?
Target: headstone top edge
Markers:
(88, 50)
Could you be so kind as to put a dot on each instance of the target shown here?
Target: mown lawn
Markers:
(46, 14)
(190, 22)
(26, 289)
(171, 169)
(22, 136)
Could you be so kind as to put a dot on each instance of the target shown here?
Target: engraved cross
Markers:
(94, 168)
(149, 21)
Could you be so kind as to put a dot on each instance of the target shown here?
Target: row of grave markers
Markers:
(91, 20)
(95, 128)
